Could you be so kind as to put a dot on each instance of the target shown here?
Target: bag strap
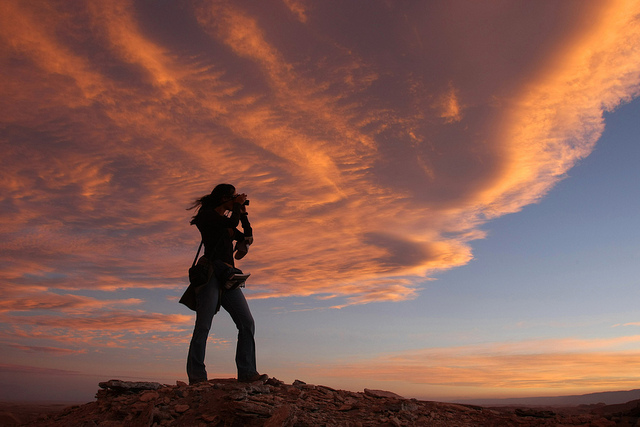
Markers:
(197, 253)
(200, 247)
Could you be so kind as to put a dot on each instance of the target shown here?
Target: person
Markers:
(218, 233)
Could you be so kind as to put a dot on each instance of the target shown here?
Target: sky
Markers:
(444, 194)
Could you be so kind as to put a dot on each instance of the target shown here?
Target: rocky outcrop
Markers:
(226, 402)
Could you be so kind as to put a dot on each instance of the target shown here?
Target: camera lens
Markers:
(246, 203)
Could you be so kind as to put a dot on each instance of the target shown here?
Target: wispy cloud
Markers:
(13, 368)
(545, 364)
(68, 303)
(71, 332)
(627, 324)
(48, 350)
(114, 320)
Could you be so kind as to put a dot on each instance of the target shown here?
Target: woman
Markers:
(218, 232)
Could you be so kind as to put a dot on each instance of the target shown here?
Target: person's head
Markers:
(221, 195)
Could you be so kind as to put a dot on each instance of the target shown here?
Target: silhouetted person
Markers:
(218, 233)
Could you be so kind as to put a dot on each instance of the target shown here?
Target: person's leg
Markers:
(235, 303)
(206, 303)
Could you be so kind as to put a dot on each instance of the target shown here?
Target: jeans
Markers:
(236, 305)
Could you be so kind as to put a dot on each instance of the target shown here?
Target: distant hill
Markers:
(607, 397)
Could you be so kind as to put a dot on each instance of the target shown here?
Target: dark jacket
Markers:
(219, 231)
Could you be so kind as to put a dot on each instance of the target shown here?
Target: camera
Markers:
(246, 202)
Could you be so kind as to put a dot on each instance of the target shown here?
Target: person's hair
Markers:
(214, 199)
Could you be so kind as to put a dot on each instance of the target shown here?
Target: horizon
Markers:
(483, 401)
(442, 194)
(478, 400)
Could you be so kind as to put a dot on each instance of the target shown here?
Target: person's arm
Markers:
(247, 231)
(239, 209)
(223, 221)
(234, 219)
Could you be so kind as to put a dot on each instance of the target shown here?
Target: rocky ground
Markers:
(225, 402)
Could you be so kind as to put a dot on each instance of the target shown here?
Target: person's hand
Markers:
(240, 198)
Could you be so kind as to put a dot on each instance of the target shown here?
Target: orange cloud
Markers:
(70, 304)
(546, 365)
(449, 106)
(557, 119)
(30, 31)
(359, 190)
(48, 350)
(116, 321)
(6, 367)
(74, 331)
(117, 19)
(298, 8)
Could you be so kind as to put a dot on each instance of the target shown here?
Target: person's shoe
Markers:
(201, 380)
(254, 378)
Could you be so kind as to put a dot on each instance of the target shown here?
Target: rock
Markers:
(226, 402)
(453, 407)
(210, 418)
(148, 396)
(274, 382)
(382, 394)
(534, 413)
(129, 386)
(181, 408)
(281, 417)
(255, 408)
(238, 395)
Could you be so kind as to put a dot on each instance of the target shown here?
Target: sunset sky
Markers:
(444, 194)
